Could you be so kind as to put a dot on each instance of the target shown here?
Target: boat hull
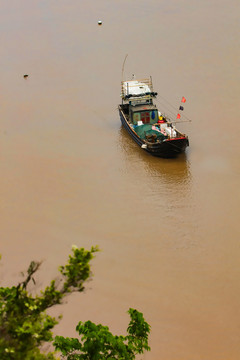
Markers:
(168, 148)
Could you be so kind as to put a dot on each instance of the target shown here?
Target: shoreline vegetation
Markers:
(25, 325)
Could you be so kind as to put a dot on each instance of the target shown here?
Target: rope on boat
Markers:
(163, 105)
(173, 113)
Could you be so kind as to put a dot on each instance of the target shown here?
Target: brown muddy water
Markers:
(168, 229)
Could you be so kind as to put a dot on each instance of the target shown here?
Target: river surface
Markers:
(168, 230)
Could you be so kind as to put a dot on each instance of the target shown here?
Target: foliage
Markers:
(98, 343)
(24, 324)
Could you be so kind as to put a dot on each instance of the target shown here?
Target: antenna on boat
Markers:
(124, 65)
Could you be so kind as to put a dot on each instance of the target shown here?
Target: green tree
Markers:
(24, 324)
(98, 343)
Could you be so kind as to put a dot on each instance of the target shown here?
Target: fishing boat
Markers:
(152, 130)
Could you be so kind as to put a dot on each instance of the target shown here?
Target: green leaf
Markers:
(97, 342)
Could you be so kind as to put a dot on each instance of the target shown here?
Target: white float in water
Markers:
(99, 22)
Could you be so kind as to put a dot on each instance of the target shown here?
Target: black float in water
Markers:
(25, 76)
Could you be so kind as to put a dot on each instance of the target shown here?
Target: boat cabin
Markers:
(143, 114)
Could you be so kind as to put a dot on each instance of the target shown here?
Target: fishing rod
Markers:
(124, 65)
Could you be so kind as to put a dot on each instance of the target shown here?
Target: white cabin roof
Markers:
(135, 87)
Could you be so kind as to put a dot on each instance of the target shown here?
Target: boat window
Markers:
(136, 117)
(145, 117)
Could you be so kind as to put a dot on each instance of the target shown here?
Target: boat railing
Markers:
(143, 100)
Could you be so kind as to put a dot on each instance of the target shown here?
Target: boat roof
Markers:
(135, 87)
(141, 88)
